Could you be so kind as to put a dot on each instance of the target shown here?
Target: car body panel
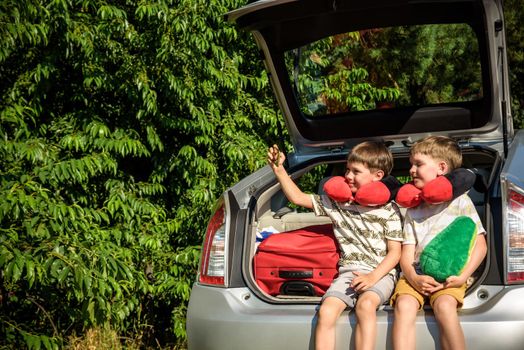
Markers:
(235, 317)
(513, 169)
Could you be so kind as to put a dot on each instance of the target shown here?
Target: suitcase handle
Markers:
(297, 288)
(300, 274)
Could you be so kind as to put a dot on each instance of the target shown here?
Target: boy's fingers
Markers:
(434, 283)
(355, 282)
(430, 281)
(451, 279)
(433, 287)
(275, 158)
(359, 286)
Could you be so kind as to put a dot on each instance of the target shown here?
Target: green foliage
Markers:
(121, 122)
(382, 67)
(431, 63)
(514, 14)
(328, 79)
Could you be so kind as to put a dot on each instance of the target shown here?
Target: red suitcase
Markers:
(299, 262)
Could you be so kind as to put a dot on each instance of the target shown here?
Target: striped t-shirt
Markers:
(362, 232)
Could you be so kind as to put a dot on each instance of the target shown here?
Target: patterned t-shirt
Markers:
(424, 222)
(361, 232)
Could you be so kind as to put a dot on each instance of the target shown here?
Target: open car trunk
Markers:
(396, 70)
(271, 214)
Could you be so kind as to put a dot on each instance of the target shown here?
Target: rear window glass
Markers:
(386, 68)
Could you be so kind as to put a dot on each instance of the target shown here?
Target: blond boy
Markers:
(432, 157)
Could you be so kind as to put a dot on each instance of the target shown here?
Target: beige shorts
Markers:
(403, 287)
(341, 287)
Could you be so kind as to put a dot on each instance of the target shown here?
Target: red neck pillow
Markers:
(443, 189)
(372, 194)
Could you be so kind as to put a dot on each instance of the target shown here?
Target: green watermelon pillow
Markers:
(447, 254)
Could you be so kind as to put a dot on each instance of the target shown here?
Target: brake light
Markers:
(514, 208)
(213, 262)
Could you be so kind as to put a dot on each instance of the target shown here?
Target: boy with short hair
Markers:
(430, 158)
(369, 239)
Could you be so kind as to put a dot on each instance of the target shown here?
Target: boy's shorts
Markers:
(403, 287)
(341, 287)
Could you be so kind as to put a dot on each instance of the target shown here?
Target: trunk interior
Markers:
(273, 214)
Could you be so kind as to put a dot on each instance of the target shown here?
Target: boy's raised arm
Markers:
(276, 159)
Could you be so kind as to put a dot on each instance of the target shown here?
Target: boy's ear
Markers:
(443, 168)
(378, 175)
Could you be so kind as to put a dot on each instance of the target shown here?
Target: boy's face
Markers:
(357, 174)
(425, 168)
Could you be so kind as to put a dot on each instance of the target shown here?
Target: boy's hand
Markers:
(454, 281)
(275, 158)
(363, 281)
(426, 285)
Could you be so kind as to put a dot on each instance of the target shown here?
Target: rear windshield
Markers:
(386, 68)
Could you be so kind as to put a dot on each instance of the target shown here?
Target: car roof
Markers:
(281, 25)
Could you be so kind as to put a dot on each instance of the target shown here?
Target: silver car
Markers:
(347, 71)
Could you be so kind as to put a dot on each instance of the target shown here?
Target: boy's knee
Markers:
(328, 313)
(367, 303)
(406, 305)
(330, 310)
(445, 305)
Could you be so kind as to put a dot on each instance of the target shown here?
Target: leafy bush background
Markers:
(121, 122)
(514, 15)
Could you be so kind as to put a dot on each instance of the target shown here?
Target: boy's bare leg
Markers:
(328, 315)
(406, 308)
(366, 329)
(451, 334)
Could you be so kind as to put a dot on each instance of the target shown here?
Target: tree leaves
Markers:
(121, 123)
(514, 15)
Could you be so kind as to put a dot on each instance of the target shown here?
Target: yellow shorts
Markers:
(403, 287)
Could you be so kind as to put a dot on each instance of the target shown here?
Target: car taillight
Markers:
(513, 202)
(213, 260)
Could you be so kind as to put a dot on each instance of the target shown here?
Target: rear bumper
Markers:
(235, 318)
